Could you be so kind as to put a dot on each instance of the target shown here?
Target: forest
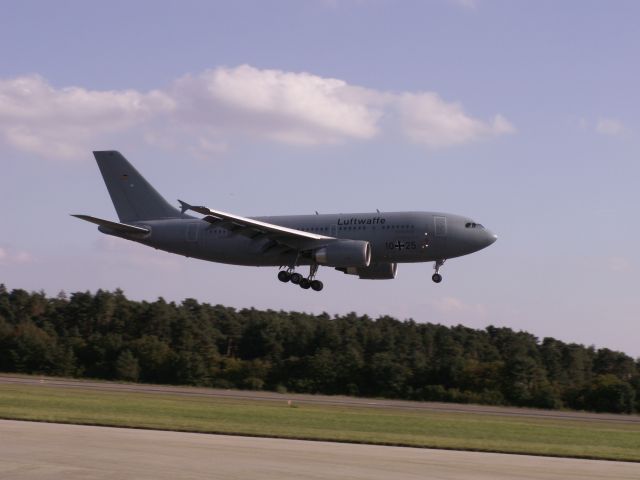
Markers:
(104, 335)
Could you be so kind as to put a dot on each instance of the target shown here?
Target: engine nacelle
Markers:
(344, 253)
(377, 271)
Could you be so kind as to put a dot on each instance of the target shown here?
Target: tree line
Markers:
(105, 335)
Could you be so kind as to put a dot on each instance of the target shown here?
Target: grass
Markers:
(463, 431)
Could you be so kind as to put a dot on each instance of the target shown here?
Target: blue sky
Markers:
(523, 115)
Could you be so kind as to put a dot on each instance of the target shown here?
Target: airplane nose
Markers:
(491, 238)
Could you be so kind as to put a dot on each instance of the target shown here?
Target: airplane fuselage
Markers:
(397, 237)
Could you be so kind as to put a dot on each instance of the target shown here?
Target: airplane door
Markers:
(440, 226)
(192, 232)
(438, 242)
(333, 231)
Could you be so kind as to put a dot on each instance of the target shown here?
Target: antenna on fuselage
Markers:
(378, 211)
(317, 212)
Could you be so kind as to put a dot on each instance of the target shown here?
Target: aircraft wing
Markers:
(289, 237)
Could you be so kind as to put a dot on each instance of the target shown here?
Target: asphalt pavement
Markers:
(42, 451)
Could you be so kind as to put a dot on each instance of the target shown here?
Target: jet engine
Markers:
(344, 253)
(377, 271)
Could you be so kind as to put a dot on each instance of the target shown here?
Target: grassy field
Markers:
(464, 431)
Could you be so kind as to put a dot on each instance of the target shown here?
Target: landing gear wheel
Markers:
(436, 277)
(284, 276)
(317, 285)
(305, 283)
(296, 278)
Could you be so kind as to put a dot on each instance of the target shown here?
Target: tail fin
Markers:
(134, 198)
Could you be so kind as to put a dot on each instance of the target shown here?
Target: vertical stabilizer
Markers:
(132, 196)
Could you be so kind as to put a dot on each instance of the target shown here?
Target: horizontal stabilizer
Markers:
(115, 226)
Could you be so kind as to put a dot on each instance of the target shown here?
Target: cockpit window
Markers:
(473, 225)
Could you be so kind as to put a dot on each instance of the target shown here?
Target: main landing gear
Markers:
(436, 277)
(307, 283)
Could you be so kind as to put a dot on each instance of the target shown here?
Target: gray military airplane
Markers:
(369, 245)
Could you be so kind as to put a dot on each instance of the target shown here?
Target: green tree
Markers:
(608, 393)
(127, 367)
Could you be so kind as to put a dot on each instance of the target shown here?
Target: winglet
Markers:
(184, 206)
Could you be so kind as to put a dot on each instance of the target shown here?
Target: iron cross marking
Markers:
(399, 245)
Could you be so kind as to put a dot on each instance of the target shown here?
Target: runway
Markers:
(315, 399)
(41, 451)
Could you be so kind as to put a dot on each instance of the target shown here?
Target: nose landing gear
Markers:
(307, 283)
(436, 277)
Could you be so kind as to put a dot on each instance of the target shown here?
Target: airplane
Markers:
(369, 245)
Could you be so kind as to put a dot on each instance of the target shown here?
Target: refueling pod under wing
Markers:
(376, 271)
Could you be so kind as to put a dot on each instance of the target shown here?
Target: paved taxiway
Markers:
(314, 399)
(41, 451)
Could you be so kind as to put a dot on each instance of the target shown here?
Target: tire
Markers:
(305, 283)
(296, 278)
(284, 276)
(436, 277)
(317, 285)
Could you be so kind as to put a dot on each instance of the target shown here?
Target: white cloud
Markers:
(204, 113)
(63, 123)
(609, 126)
(458, 310)
(619, 264)
(205, 149)
(297, 108)
(10, 255)
(430, 120)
